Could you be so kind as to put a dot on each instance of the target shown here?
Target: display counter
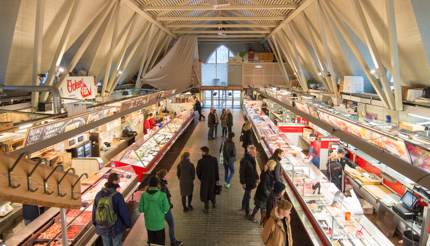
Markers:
(411, 147)
(145, 154)
(329, 217)
(46, 229)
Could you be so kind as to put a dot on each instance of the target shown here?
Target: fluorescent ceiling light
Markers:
(258, 66)
(419, 116)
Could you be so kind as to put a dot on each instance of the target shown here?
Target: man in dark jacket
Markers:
(212, 124)
(207, 172)
(161, 174)
(229, 121)
(248, 176)
(228, 150)
(198, 108)
(112, 236)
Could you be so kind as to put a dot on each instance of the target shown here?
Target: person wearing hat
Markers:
(278, 193)
(208, 174)
(154, 205)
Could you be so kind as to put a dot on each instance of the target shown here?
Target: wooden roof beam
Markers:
(226, 32)
(221, 7)
(177, 26)
(220, 18)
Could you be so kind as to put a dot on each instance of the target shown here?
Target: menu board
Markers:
(420, 157)
(392, 145)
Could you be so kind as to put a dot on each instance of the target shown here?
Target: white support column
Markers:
(327, 54)
(286, 54)
(280, 60)
(111, 8)
(152, 49)
(61, 48)
(294, 59)
(114, 72)
(166, 48)
(114, 41)
(126, 63)
(102, 14)
(394, 51)
(144, 57)
(38, 49)
(296, 35)
(381, 71)
(331, 83)
(159, 50)
(336, 24)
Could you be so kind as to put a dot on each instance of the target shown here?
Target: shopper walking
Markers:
(264, 188)
(207, 173)
(154, 205)
(211, 124)
(278, 193)
(110, 213)
(216, 123)
(186, 173)
(277, 157)
(228, 150)
(246, 134)
(277, 229)
(229, 121)
(248, 176)
(198, 108)
(224, 126)
(161, 174)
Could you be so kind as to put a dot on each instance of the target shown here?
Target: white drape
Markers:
(174, 71)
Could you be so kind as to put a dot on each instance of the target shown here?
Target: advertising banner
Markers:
(79, 87)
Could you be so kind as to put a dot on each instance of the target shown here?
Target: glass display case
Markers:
(324, 210)
(79, 221)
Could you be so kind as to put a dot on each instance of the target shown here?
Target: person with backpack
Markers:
(228, 151)
(161, 174)
(154, 205)
(110, 213)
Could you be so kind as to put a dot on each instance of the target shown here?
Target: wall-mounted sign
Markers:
(78, 87)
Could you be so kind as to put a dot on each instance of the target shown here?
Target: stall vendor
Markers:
(314, 150)
(335, 168)
(148, 123)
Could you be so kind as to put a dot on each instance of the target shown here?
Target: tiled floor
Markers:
(224, 225)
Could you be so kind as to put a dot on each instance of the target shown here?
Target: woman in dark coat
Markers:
(207, 172)
(246, 134)
(264, 188)
(186, 174)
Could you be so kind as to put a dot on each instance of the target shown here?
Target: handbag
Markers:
(218, 189)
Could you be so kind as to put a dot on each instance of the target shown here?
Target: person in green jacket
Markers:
(154, 205)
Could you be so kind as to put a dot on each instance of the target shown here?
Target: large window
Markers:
(215, 70)
(220, 55)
